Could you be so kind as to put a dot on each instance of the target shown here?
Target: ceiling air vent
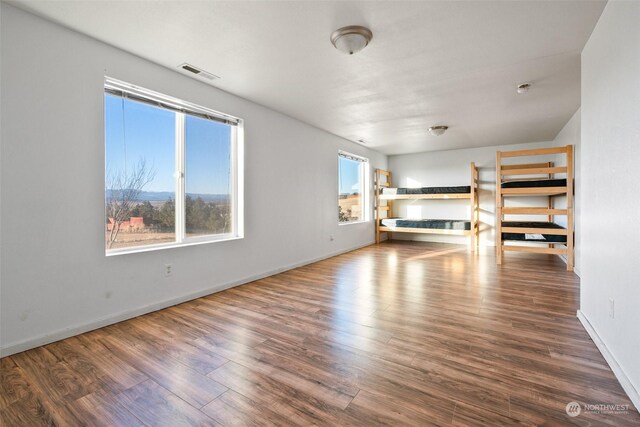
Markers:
(198, 72)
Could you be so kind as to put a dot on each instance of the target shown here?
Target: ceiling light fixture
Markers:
(351, 39)
(524, 87)
(438, 130)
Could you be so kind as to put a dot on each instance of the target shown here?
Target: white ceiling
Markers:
(434, 62)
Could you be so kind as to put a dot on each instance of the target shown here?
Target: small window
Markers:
(353, 188)
(172, 171)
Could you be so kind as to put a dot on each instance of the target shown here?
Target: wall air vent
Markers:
(198, 72)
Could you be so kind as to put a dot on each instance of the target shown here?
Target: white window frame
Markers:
(237, 170)
(365, 186)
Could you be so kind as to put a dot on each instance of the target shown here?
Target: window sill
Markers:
(191, 242)
(354, 222)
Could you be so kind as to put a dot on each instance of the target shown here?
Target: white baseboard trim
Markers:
(125, 315)
(624, 380)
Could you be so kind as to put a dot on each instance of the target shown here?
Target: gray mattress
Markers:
(536, 183)
(440, 224)
(542, 238)
(428, 190)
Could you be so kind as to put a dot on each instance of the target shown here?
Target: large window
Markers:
(172, 171)
(353, 188)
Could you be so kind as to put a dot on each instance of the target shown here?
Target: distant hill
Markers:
(162, 196)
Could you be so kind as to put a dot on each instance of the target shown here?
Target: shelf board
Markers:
(534, 191)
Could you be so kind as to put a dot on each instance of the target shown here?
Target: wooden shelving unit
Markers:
(384, 207)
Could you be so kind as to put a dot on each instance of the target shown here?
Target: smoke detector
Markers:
(199, 72)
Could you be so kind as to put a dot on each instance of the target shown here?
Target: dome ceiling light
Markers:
(438, 130)
(351, 39)
(523, 87)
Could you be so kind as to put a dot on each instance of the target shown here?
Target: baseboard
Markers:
(119, 317)
(624, 380)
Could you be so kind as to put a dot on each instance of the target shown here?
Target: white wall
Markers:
(570, 134)
(449, 168)
(610, 155)
(55, 278)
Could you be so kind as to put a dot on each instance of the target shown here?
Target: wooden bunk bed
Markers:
(535, 179)
(386, 194)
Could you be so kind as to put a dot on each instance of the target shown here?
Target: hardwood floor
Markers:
(395, 334)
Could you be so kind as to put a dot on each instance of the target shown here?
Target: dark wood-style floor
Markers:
(395, 334)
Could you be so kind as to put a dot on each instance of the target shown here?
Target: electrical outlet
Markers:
(612, 306)
(331, 237)
(168, 270)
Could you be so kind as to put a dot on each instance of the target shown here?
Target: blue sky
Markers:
(349, 175)
(137, 131)
(207, 156)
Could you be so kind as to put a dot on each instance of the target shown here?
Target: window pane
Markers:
(350, 190)
(139, 175)
(208, 177)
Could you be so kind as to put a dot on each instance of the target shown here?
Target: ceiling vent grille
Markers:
(190, 69)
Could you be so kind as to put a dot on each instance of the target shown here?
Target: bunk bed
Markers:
(387, 223)
(539, 180)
